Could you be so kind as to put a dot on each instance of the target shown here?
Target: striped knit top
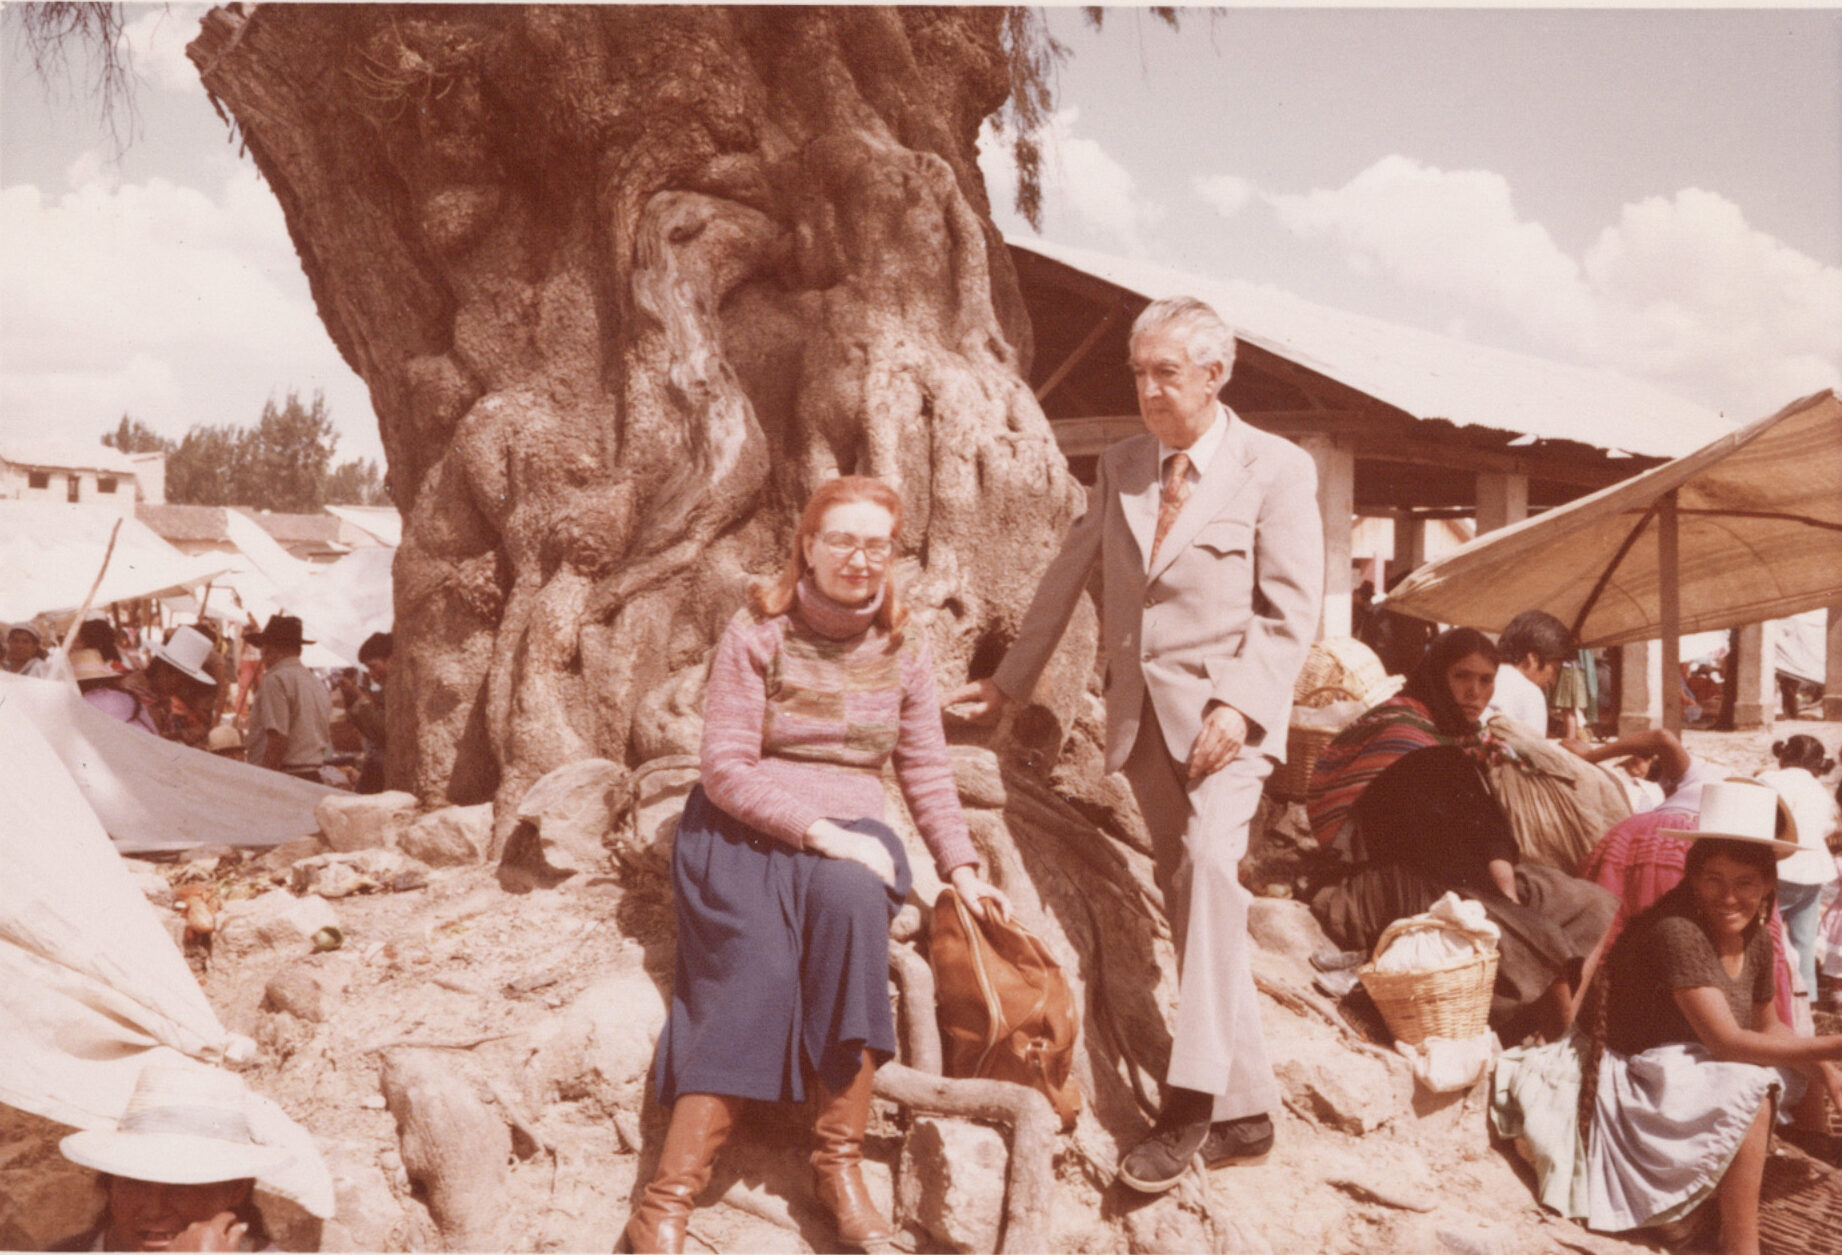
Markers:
(803, 711)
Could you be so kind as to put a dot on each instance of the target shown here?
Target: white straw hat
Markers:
(1737, 809)
(186, 653)
(187, 1124)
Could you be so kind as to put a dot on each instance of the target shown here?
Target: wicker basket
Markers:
(1451, 1002)
(1345, 663)
(1800, 1205)
(1291, 778)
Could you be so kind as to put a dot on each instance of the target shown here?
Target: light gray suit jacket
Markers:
(1225, 614)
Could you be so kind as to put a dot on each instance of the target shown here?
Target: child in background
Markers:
(1803, 876)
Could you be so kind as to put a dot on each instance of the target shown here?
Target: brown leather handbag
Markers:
(1005, 1010)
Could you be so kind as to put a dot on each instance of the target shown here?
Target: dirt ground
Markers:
(543, 1006)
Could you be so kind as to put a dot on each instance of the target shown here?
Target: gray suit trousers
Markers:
(1199, 834)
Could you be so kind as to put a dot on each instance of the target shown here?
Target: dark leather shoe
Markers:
(1159, 1162)
(1250, 1137)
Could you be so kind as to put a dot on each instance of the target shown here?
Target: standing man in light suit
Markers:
(1212, 565)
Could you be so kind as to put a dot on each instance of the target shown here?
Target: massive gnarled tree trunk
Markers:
(626, 285)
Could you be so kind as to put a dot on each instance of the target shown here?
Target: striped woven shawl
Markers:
(1375, 742)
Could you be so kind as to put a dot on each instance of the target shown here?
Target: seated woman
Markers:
(1639, 861)
(786, 876)
(102, 687)
(1685, 1057)
(1401, 791)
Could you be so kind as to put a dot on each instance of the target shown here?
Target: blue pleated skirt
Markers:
(782, 961)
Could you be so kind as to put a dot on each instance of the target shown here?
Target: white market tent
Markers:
(339, 605)
(148, 793)
(380, 522)
(1747, 528)
(50, 553)
(95, 986)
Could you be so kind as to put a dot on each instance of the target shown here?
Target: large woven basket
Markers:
(1451, 1001)
(1343, 662)
(1292, 778)
(1800, 1205)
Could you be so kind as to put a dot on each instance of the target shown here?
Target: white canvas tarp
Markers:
(94, 985)
(1759, 516)
(151, 794)
(341, 604)
(50, 553)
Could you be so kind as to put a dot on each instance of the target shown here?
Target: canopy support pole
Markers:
(1669, 597)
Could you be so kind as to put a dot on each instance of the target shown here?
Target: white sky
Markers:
(1658, 192)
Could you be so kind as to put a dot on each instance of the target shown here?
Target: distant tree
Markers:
(131, 435)
(210, 468)
(290, 452)
(357, 482)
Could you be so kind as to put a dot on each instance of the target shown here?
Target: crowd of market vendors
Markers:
(267, 708)
(1659, 927)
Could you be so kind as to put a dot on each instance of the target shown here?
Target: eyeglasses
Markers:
(842, 545)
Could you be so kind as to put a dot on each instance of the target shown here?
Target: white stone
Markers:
(361, 821)
(569, 812)
(1355, 1094)
(978, 776)
(951, 1182)
(454, 836)
(357, 871)
(309, 988)
(274, 921)
(1287, 927)
(604, 1037)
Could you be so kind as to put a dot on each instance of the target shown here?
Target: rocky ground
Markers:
(395, 995)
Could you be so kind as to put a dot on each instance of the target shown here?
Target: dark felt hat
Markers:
(283, 630)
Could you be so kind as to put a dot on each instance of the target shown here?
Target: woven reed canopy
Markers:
(1757, 522)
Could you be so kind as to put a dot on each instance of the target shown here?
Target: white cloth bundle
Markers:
(1452, 930)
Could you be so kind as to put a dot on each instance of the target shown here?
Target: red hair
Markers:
(775, 596)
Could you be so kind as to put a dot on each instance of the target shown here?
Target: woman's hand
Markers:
(223, 1232)
(979, 894)
(834, 841)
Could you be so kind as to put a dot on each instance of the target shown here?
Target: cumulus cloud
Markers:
(1084, 186)
(173, 304)
(1225, 193)
(1680, 290)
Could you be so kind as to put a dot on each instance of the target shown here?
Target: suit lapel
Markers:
(1227, 469)
(1138, 495)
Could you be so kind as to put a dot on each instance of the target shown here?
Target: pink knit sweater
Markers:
(803, 711)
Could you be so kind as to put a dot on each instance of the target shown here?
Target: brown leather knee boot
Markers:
(700, 1125)
(838, 1155)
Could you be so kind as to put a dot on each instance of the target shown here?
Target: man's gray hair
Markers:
(1200, 328)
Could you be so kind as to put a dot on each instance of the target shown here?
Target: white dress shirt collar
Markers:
(1204, 450)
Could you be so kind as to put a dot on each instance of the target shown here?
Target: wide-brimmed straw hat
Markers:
(89, 664)
(29, 628)
(1737, 809)
(186, 653)
(223, 737)
(187, 1124)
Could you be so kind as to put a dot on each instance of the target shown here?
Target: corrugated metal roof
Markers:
(185, 522)
(1426, 374)
(64, 455)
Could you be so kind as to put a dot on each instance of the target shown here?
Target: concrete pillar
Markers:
(1832, 667)
(1640, 704)
(1409, 542)
(1337, 507)
(1756, 700)
(1501, 500)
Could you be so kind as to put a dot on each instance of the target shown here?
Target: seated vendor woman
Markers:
(1400, 790)
(1683, 1070)
(785, 875)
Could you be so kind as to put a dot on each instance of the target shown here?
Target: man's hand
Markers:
(983, 700)
(223, 1232)
(1224, 731)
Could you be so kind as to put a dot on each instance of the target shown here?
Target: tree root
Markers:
(914, 982)
(1035, 1129)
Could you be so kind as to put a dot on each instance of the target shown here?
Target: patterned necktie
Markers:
(1173, 492)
